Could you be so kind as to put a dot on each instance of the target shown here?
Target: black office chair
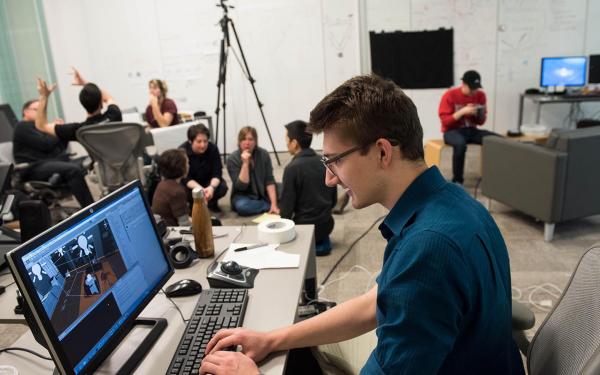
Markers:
(51, 191)
(568, 341)
(117, 151)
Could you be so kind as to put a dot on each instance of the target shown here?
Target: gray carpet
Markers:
(533, 261)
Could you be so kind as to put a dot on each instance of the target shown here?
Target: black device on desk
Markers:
(85, 280)
(230, 275)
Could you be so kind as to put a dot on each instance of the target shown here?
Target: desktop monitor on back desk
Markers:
(563, 71)
(87, 279)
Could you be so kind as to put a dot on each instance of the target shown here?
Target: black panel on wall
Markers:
(415, 59)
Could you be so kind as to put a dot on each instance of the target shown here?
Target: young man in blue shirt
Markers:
(442, 303)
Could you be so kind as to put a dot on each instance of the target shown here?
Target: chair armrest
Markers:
(528, 177)
(522, 317)
(522, 320)
(21, 166)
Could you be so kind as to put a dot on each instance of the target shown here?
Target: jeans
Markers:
(458, 139)
(71, 173)
(246, 206)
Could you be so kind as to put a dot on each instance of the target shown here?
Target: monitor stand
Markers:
(158, 325)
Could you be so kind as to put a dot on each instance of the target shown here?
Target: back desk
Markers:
(272, 304)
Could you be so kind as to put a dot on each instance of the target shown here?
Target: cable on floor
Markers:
(350, 249)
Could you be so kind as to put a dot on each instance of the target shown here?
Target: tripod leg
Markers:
(221, 103)
(251, 80)
(219, 83)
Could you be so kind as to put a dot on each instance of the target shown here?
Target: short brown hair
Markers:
(245, 130)
(194, 130)
(27, 104)
(367, 108)
(172, 163)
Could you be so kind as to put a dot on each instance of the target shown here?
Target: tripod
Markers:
(225, 21)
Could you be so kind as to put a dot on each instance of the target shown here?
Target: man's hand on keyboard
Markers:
(255, 345)
(228, 363)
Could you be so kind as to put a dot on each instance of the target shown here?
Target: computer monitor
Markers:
(87, 279)
(563, 71)
(594, 73)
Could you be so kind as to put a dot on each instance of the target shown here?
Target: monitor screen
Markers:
(88, 278)
(563, 71)
(594, 74)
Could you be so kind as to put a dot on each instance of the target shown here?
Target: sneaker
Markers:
(323, 248)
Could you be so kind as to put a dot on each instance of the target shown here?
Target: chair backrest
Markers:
(568, 341)
(117, 149)
(582, 183)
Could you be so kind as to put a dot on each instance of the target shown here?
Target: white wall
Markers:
(296, 52)
(504, 40)
(300, 50)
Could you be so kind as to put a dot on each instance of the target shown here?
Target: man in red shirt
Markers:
(462, 109)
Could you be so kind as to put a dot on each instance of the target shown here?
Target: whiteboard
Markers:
(295, 52)
(504, 40)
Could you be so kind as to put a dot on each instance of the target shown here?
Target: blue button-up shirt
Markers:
(444, 295)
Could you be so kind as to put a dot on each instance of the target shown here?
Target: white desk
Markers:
(272, 303)
(541, 99)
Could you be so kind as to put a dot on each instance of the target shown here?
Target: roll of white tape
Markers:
(276, 231)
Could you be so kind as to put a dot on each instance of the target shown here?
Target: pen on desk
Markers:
(250, 247)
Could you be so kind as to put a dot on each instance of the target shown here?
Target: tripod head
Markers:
(224, 6)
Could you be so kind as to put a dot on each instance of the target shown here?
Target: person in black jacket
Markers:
(206, 169)
(304, 196)
(91, 97)
(47, 155)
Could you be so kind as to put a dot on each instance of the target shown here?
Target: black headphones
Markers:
(182, 254)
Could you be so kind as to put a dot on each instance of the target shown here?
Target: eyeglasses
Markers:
(330, 162)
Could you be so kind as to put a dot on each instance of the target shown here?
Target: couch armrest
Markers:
(527, 177)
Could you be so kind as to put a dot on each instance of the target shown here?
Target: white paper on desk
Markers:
(262, 257)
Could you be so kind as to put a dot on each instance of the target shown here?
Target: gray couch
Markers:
(553, 183)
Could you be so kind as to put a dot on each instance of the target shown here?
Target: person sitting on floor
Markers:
(304, 196)
(161, 111)
(170, 197)
(254, 190)
(205, 168)
(47, 155)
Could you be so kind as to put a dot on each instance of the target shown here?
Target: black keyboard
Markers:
(216, 309)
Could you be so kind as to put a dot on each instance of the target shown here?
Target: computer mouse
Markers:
(182, 288)
(231, 268)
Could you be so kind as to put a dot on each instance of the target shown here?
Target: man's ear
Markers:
(385, 151)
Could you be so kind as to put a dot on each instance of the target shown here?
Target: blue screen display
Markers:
(92, 276)
(563, 71)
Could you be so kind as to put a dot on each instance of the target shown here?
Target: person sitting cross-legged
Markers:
(304, 196)
(253, 189)
(170, 197)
